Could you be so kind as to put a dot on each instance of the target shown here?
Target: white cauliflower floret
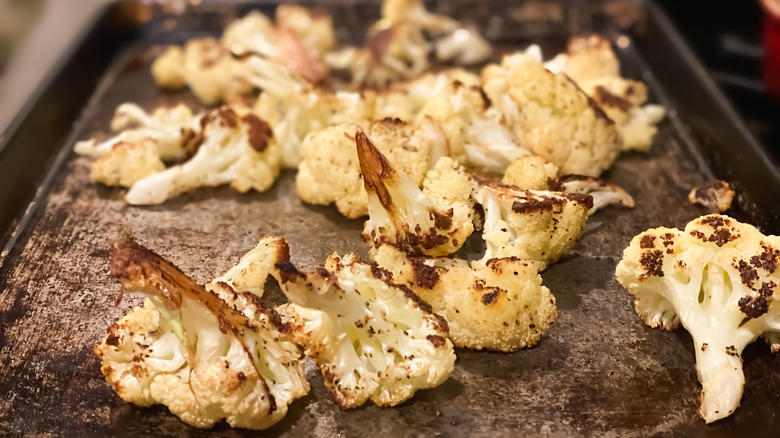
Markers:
(530, 173)
(452, 41)
(406, 99)
(534, 225)
(190, 351)
(719, 279)
(313, 28)
(235, 149)
(551, 116)
(372, 340)
(500, 305)
(206, 67)
(173, 130)
(330, 170)
(593, 65)
(297, 112)
(242, 284)
(476, 133)
(128, 163)
(602, 192)
(436, 223)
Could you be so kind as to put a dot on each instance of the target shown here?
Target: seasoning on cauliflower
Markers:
(330, 170)
(535, 225)
(499, 305)
(552, 117)
(436, 223)
(718, 278)
(372, 340)
(593, 65)
(235, 149)
(187, 349)
(174, 131)
(207, 67)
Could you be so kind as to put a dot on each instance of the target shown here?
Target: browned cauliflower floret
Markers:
(372, 340)
(128, 163)
(530, 173)
(593, 65)
(330, 170)
(551, 115)
(500, 305)
(533, 225)
(436, 223)
(194, 353)
(719, 278)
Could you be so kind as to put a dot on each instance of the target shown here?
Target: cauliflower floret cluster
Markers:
(719, 279)
(187, 349)
(330, 170)
(533, 225)
(500, 305)
(402, 215)
(236, 147)
(372, 340)
(593, 65)
(558, 121)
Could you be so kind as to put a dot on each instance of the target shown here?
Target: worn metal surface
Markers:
(598, 371)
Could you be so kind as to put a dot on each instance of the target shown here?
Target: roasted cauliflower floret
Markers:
(242, 284)
(402, 215)
(535, 225)
(206, 67)
(719, 279)
(127, 163)
(552, 117)
(297, 112)
(500, 305)
(330, 170)
(530, 173)
(476, 133)
(235, 149)
(313, 28)
(187, 349)
(372, 340)
(593, 65)
(602, 192)
(174, 131)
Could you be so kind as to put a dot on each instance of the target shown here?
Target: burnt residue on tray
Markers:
(597, 370)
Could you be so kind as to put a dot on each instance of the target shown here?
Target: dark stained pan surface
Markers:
(598, 370)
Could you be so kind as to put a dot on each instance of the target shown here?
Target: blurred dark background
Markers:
(726, 35)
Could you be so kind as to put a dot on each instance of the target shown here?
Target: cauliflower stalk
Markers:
(718, 278)
(372, 340)
(187, 349)
(499, 305)
(235, 149)
(402, 215)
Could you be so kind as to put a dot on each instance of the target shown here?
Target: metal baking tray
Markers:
(599, 370)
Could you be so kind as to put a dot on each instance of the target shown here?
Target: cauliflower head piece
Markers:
(718, 278)
(173, 130)
(530, 173)
(551, 116)
(372, 340)
(434, 223)
(191, 351)
(238, 149)
(330, 170)
(533, 225)
(127, 163)
(499, 305)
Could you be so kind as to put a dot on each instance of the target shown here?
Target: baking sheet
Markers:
(598, 371)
